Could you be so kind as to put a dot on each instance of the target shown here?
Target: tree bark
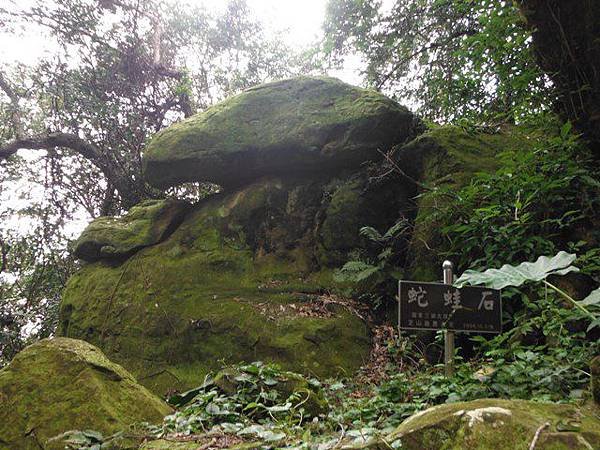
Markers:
(566, 39)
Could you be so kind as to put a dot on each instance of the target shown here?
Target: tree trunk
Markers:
(566, 38)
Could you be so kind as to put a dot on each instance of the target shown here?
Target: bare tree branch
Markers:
(86, 149)
(3, 256)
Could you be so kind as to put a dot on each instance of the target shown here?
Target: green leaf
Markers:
(93, 435)
(592, 299)
(279, 408)
(593, 324)
(508, 275)
(370, 233)
(356, 271)
(566, 129)
(271, 436)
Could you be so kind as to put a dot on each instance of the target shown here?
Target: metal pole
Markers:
(447, 268)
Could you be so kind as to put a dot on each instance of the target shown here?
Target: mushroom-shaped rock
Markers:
(293, 126)
(497, 424)
(63, 384)
(117, 237)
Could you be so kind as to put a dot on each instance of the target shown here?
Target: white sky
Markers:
(301, 21)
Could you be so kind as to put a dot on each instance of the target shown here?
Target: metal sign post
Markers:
(447, 268)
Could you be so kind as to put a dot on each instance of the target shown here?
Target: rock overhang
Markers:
(303, 125)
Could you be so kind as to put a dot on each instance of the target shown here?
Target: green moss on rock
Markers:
(62, 384)
(299, 125)
(143, 225)
(224, 287)
(497, 424)
(354, 203)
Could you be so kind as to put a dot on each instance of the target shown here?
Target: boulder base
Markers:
(245, 277)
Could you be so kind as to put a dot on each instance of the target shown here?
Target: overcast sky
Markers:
(301, 20)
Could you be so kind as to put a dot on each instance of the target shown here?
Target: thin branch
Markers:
(397, 168)
(537, 435)
(3, 256)
(49, 141)
(113, 173)
(425, 48)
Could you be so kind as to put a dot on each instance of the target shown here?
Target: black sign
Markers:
(436, 306)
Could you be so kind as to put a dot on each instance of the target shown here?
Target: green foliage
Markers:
(371, 275)
(544, 267)
(31, 283)
(259, 402)
(537, 203)
(508, 275)
(88, 439)
(453, 58)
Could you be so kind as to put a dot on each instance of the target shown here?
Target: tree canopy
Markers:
(452, 59)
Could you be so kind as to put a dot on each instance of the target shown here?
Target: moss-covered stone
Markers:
(354, 203)
(233, 283)
(300, 125)
(118, 237)
(497, 424)
(448, 156)
(62, 384)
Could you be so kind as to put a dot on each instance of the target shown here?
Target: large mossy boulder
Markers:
(118, 237)
(500, 425)
(294, 126)
(63, 384)
(245, 277)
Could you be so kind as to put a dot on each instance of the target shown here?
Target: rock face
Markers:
(116, 237)
(62, 384)
(498, 424)
(302, 125)
(242, 279)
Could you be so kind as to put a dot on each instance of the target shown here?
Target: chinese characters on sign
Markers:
(435, 306)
